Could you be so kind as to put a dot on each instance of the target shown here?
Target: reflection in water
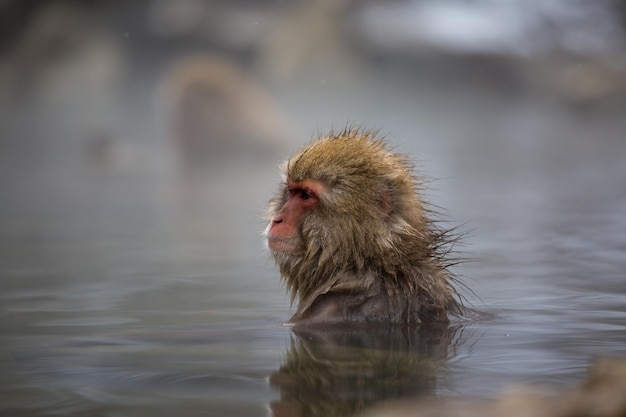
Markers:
(338, 372)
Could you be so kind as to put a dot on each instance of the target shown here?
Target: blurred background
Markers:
(156, 93)
(138, 148)
(161, 95)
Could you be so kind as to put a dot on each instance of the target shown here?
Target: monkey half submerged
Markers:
(352, 237)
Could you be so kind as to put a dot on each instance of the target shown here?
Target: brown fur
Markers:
(368, 252)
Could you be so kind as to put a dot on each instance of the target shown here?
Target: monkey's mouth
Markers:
(279, 244)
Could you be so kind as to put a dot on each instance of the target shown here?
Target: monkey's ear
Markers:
(386, 205)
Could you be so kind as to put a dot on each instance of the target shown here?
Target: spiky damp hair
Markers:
(370, 232)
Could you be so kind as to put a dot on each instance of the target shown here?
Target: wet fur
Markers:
(369, 251)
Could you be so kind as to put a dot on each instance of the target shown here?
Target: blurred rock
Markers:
(581, 82)
(311, 39)
(602, 394)
(233, 25)
(61, 51)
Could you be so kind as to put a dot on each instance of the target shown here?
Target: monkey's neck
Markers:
(308, 278)
(364, 299)
(407, 293)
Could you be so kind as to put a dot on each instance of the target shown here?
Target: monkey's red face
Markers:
(283, 231)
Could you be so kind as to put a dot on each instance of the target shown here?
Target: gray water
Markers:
(131, 288)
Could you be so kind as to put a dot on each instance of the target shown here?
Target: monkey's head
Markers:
(348, 204)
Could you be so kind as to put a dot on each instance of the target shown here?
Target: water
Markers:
(128, 288)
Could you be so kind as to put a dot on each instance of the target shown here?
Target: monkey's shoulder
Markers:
(364, 299)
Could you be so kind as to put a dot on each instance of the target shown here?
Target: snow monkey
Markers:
(353, 239)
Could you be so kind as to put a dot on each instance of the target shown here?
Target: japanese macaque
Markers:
(217, 112)
(352, 237)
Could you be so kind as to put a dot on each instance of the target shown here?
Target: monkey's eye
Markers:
(301, 193)
(305, 194)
